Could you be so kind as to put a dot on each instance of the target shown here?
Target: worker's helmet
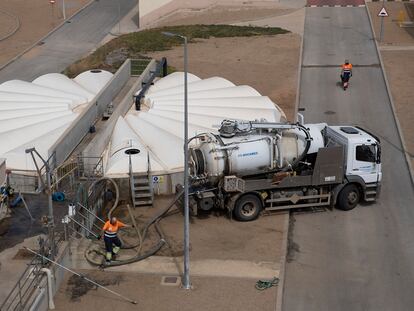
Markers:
(346, 62)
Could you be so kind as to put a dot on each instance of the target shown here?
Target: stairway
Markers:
(141, 187)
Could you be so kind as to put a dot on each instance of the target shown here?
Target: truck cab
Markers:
(362, 152)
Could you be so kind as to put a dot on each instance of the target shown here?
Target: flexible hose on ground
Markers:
(115, 204)
(153, 221)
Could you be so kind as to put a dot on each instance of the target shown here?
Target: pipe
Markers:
(116, 192)
(35, 304)
(153, 221)
(49, 287)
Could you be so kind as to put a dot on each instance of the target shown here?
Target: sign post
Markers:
(383, 13)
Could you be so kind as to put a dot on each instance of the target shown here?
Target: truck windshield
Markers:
(365, 153)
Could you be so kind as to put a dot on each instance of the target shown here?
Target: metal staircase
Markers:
(141, 186)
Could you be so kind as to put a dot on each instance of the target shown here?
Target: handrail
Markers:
(21, 293)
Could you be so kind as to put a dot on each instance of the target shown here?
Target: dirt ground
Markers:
(222, 15)
(212, 236)
(393, 34)
(397, 51)
(37, 18)
(272, 70)
(208, 294)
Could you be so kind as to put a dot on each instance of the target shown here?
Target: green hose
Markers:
(265, 284)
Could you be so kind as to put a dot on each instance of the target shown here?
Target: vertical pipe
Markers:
(51, 222)
(49, 287)
(64, 9)
(119, 17)
(186, 282)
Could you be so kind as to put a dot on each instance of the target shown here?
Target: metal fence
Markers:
(23, 294)
(81, 221)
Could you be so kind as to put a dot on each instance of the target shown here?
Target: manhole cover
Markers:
(329, 112)
(170, 280)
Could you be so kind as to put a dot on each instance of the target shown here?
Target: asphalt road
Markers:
(70, 42)
(362, 259)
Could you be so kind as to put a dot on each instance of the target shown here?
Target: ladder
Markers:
(141, 186)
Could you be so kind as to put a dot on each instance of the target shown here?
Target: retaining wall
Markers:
(99, 143)
(80, 127)
(2, 170)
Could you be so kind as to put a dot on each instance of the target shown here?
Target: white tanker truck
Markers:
(251, 166)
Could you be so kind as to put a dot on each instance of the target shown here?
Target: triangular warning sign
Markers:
(383, 13)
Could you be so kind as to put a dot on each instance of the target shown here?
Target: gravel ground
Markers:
(270, 69)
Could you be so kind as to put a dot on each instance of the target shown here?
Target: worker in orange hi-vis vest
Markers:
(110, 230)
(346, 71)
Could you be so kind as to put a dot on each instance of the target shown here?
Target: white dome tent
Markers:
(37, 113)
(158, 128)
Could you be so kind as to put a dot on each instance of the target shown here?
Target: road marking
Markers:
(338, 66)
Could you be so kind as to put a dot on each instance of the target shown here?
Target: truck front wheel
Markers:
(247, 208)
(348, 198)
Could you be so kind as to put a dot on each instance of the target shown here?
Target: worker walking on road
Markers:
(346, 71)
(110, 229)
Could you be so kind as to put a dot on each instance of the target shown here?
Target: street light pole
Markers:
(64, 9)
(186, 284)
(48, 190)
(119, 17)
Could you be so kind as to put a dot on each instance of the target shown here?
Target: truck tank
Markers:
(242, 149)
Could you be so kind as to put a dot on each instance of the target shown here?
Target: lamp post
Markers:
(119, 17)
(64, 9)
(48, 189)
(186, 281)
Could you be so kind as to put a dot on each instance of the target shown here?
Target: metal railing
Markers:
(90, 167)
(22, 295)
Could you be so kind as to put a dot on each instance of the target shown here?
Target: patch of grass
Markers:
(134, 45)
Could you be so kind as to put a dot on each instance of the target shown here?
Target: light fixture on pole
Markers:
(186, 280)
(48, 189)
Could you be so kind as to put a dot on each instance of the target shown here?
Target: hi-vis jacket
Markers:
(347, 68)
(111, 230)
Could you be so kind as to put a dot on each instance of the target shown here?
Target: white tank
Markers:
(216, 156)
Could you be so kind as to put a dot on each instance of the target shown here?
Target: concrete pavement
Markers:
(362, 259)
(80, 35)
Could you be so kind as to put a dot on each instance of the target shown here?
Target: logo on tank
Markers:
(248, 154)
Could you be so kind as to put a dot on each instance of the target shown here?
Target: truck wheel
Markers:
(348, 198)
(247, 208)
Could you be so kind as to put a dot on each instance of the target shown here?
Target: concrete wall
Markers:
(101, 140)
(59, 274)
(2, 170)
(150, 11)
(80, 127)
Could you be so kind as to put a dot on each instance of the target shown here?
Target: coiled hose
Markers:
(138, 257)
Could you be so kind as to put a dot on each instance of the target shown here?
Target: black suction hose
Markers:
(155, 220)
